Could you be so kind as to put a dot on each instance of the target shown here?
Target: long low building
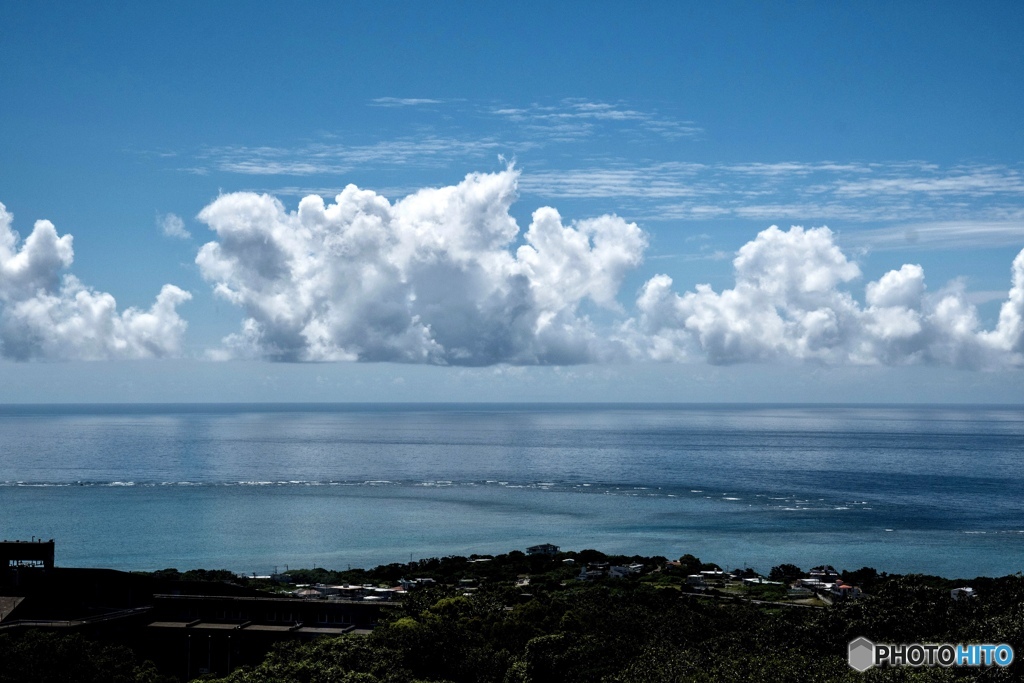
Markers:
(197, 634)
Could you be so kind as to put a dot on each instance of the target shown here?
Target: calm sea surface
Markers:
(250, 488)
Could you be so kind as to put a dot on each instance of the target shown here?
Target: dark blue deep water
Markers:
(925, 489)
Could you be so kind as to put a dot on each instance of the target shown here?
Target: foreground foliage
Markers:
(46, 657)
(636, 631)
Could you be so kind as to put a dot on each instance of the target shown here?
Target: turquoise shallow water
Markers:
(930, 489)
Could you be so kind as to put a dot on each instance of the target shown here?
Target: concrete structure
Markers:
(17, 554)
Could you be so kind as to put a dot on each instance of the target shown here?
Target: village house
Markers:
(824, 573)
(844, 591)
(621, 572)
(542, 549)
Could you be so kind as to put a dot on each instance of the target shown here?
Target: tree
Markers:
(865, 577)
(688, 564)
(786, 573)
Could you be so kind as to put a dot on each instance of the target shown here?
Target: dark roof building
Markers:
(542, 549)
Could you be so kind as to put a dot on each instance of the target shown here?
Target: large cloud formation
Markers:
(44, 315)
(437, 278)
(431, 278)
(787, 304)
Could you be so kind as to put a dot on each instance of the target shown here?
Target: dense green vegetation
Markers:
(46, 657)
(482, 621)
(646, 628)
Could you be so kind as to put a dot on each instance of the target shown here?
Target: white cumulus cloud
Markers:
(172, 226)
(789, 301)
(45, 314)
(1009, 333)
(432, 278)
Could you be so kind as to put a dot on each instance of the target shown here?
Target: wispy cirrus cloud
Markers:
(658, 181)
(942, 235)
(334, 158)
(496, 129)
(438, 143)
(990, 198)
(782, 169)
(982, 181)
(926, 204)
(403, 101)
(646, 169)
(577, 118)
(849, 180)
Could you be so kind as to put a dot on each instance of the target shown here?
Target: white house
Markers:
(844, 591)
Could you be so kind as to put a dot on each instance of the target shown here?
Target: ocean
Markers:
(254, 488)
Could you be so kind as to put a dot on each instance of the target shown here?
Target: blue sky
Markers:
(668, 137)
